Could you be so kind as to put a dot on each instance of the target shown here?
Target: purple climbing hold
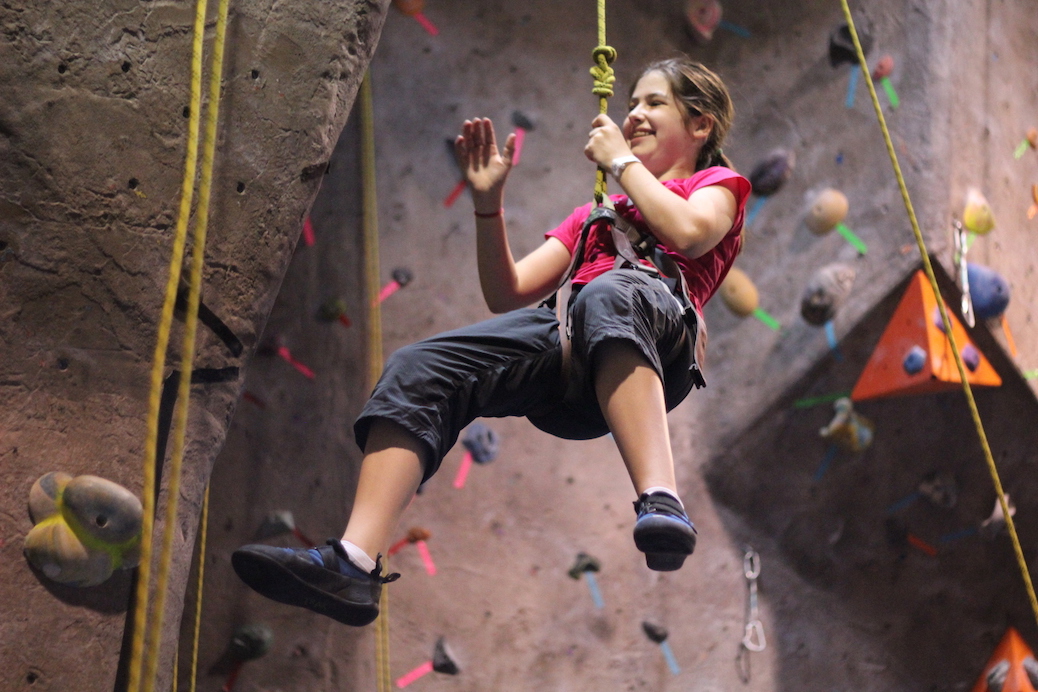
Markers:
(481, 442)
(914, 360)
(938, 321)
(970, 357)
(772, 172)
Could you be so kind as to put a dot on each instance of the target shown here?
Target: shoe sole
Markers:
(271, 579)
(665, 542)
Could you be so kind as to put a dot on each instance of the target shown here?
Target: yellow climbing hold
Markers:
(85, 528)
(977, 217)
(739, 293)
(828, 209)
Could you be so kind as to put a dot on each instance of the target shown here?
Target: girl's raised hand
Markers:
(484, 166)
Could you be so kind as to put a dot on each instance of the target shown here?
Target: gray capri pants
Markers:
(511, 365)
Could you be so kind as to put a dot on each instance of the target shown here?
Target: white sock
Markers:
(668, 491)
(358, 556)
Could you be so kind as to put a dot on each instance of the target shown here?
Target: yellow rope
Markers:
(372, 271)
(159, 359)
(203, 529)
(179, 431)
(602, 73)
(928, 268)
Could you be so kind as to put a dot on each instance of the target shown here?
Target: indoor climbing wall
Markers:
(520, 571)
(93, 123)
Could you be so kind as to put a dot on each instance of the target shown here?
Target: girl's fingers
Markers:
(509, 152)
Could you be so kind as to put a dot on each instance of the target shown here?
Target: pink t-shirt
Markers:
(703, 274)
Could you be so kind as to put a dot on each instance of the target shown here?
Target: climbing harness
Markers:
(753, 633)
(928, 268)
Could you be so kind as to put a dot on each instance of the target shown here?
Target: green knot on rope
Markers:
(602, 72)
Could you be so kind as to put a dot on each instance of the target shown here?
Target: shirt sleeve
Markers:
(569, 230)
(719, 175)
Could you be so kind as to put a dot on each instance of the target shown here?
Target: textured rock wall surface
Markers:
(503, 544)
(92, 141)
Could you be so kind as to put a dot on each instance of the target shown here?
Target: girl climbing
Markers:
(630, 348)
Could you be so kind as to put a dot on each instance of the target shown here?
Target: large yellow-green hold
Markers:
(85, 528)
(738, 293)
(977, 216)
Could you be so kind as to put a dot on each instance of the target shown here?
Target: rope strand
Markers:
(603, 56)
(176, 261)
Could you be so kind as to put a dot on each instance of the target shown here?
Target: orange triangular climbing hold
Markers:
(1012, 668)
(914, 356)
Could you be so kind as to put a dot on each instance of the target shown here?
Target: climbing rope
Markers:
(162, 343)
(928, 268)
(144, 662)
(602, 73)
(203, 532)
(369, 214)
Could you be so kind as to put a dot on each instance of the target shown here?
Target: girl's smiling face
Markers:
(660, 133)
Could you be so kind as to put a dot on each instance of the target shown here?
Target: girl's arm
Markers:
(506, 284)
(691, 227)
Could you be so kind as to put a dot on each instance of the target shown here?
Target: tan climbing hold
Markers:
(738, 293)
(85, 528)
(977, 217)
(828, 209)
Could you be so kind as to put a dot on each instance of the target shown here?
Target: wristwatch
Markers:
(619, 164)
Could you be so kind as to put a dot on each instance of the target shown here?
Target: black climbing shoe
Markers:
(663, 532)
(320, 579)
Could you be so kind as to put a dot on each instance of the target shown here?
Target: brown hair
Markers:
(700, 92)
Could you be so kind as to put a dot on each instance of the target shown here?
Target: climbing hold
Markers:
(828, 209)
(414, 534)
(1011, 667)
(996, 523)
(970, 357)
(1032, 210)
(443, 661)
(414, 9)
(914, 360)
(657, 633)
(887, 373)
(772, 172)
(331, 310)
(702, 18)
(481, 446)
(281, 522)
(401, 277)
(482, 442)
(841, 45)
(977, 216)
(940, 489)
(85, 528)
(587, 566)
(523, 124)
(884, 68)
(848, 430)
(248, 643)
(826, 291)
(738, 293)
(1032, 137)
(988, 290)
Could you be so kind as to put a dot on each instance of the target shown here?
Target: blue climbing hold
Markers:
(988, 290)
(914, 360)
